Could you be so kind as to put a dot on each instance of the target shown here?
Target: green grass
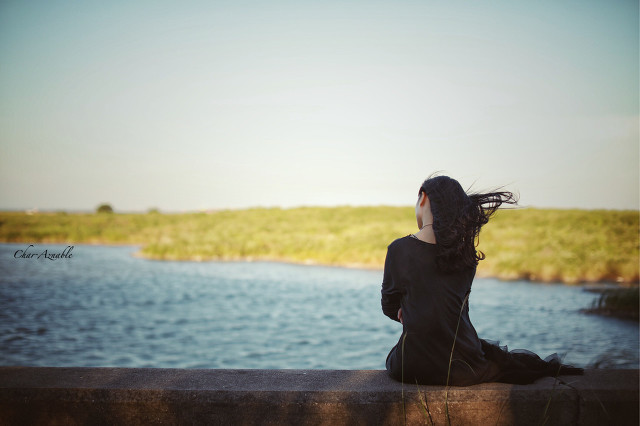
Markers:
(562, 245)
(620, 302)
(540, 245)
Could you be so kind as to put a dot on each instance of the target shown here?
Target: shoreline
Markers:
(612, 313)
(536, 245)
(595, 286)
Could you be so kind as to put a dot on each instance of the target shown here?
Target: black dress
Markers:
(435, 313)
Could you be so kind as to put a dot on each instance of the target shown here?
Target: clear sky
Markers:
(191, 105)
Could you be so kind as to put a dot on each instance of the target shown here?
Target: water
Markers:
(104, 307)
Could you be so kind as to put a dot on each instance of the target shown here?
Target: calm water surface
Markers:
(104, 307)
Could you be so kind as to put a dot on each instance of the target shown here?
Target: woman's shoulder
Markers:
(410, 242)
(400, 242)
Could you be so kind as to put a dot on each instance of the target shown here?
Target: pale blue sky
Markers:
(196, 105)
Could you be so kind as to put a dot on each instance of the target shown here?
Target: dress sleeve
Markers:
(391, 293)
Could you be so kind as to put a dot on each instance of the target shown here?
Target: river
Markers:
(105, 307)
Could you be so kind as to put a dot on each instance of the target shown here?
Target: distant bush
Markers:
(104, 208)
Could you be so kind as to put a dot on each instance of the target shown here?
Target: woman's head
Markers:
(446, 197)
(457, 219)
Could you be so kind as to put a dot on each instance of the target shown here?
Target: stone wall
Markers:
(147, 396)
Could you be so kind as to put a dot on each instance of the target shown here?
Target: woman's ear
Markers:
(423, 199)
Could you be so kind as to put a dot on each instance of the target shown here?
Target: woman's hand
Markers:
(400, 315)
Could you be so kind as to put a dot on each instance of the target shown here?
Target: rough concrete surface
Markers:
(93, 396)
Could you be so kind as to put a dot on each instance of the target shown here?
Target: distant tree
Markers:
(153, 210)
(104, 208)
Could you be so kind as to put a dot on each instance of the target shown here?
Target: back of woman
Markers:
(426, 286)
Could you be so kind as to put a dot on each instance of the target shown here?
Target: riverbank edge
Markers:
(311, 262)
(537, 245)
(629, 316)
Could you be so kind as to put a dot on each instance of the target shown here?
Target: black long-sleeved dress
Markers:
(435, 313)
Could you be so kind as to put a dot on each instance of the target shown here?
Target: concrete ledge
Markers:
(93, 396)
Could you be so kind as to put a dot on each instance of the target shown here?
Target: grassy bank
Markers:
(621, 302)
(541, 245)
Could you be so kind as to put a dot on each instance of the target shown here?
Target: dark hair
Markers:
(457, 219)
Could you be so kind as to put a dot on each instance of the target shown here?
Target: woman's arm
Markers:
(391, 293)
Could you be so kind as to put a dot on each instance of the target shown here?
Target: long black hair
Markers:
(457, 219)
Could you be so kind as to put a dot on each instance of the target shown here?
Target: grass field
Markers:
(540, 245)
